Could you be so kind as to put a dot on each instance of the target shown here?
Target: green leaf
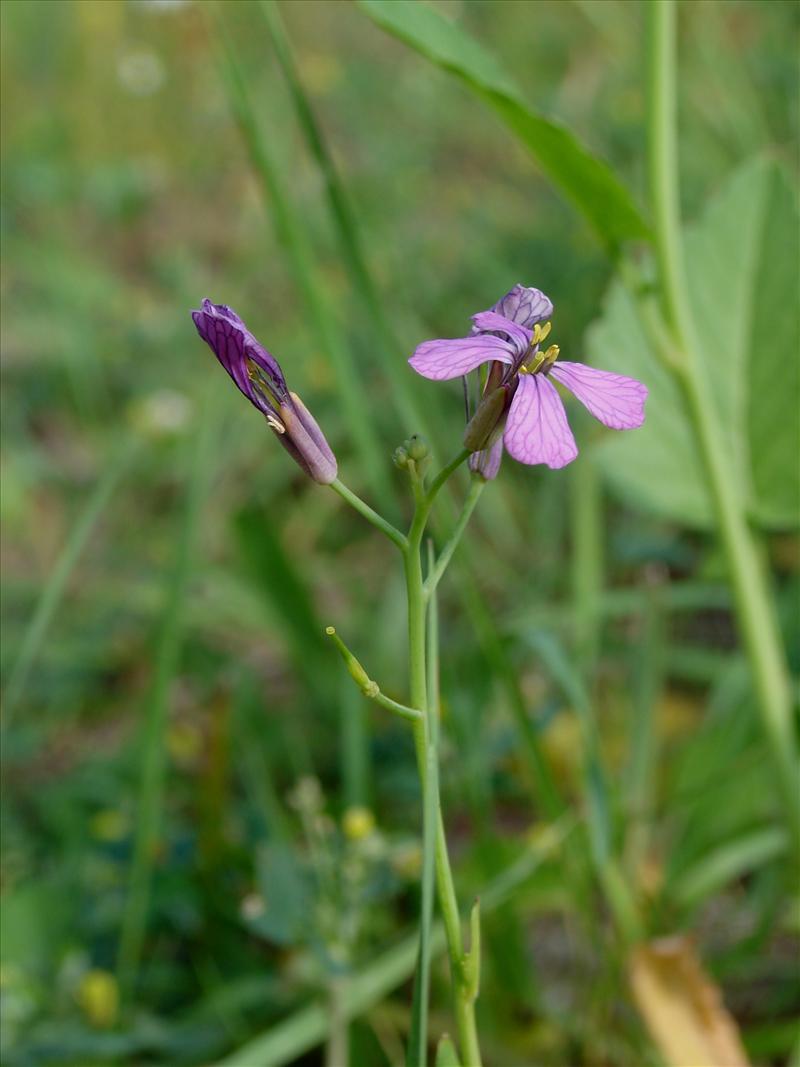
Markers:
(742, 261)
(586, 180)
(728, 862)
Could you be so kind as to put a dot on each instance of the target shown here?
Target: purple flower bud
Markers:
(259, 377)
(524, 305)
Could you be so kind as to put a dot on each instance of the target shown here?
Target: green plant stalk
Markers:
(53, 588)
(463, 1001)
(437, 568)
(586, 514)
(416, 1050)
(754, 605)
(153, 753)
(337, 1049)
(293, 236)
(345, 225)
(372, 516)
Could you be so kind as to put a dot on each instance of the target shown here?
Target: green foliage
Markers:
(175, 685)
(742, 259)
(582, 177)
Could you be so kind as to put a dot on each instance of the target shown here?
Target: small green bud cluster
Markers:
(412, 455)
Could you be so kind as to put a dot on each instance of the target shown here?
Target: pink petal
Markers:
(490, 320)
(615, 400)
(445, 359)
(537, 430)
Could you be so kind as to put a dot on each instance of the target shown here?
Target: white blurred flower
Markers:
(164, 413)
(141, 72)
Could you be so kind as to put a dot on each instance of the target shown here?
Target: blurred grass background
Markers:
(170, 706)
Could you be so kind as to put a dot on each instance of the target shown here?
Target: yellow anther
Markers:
(544, 331)
(551, 355)
(537, 334)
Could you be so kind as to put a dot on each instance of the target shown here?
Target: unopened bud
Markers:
(400, 457)
(305, 442)
(418, 448)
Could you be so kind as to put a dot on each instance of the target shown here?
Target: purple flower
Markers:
(519, 397)
(258, 375)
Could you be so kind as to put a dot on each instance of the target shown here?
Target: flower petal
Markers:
(615, 400)
(490, 321)
(233, 345)
(525, 306)
(537, 430)
(452, 358)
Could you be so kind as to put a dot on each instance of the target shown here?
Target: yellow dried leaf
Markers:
(682, 1008)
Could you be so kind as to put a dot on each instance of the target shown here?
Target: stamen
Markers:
(275, 423)
(551, 355)
(544, 331)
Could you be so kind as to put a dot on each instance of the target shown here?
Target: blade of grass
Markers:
(586, 516)
(618, 895)
(642, 732)
(585, 179)
(153, 752)
(54, 587)
(294, 238)
(346, 229)
(729, 862)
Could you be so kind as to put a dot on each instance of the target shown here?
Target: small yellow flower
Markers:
(98, 996)
(110, 825)
(358, 823)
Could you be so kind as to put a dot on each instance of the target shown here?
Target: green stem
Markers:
(54, 587)
(440, 566)
(337, 1050)
(370, 514)
(754, 604)
(463, 1002)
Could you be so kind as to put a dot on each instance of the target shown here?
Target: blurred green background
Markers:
(204, 827)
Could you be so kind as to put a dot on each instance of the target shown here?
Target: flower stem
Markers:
(754, 604)
(369, 513)
(437, 570)
(463, 989)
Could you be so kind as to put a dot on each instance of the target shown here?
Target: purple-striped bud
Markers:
(258, 376)
(524, 305)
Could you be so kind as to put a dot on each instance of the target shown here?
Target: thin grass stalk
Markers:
(753, 598)
(152, 765)
(640, 788)
(293, 236)
(54, 587)
(586, 516)
(346, 228)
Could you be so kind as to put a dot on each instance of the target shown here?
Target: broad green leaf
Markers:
(742, 261)
(583, 178)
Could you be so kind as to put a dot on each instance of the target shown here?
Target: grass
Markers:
(166, 679)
